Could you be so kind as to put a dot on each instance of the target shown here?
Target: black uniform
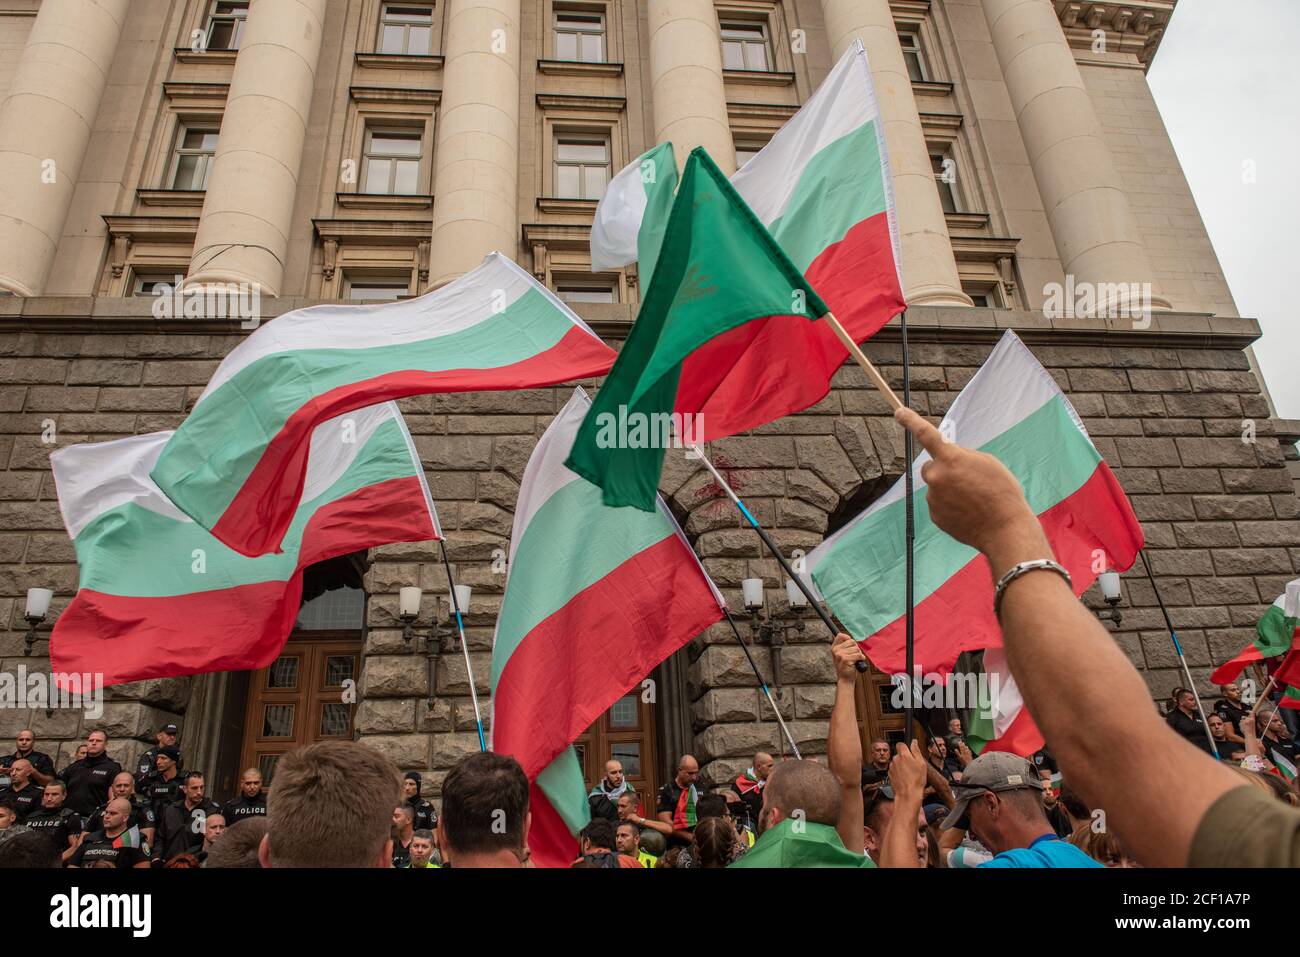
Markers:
(41, 762)
(100, 847)
(145, 766)
(59, 824)
(26, 801)
(1231, 714)
(425, 817)
(402, 855)
(158, 792)
(142, 816)
(180, 829)
(88, 781)
(1191, 728)
(242, 808)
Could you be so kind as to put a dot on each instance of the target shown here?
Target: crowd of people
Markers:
(1097, 798)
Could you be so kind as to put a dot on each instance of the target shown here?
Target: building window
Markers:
(406, 29)
(376, 288)
(585, 291)
(226, 19)
(910, 41)
(146, 284)
(746, 150)
(391, 164)
(192, 159)
(745, 46)
(985, 295)
(945, 179)
(579, 36)
(581, 167)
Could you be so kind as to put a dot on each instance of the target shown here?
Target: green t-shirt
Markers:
(812, 845)
(1247, 827)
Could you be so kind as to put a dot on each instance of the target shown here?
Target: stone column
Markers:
(929, 269)
(45, 126)
(243, 233)
(476, 164)
(690, 100)
(1094, 229)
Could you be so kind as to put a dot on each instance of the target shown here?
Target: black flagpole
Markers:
(767, 692)
(909, 511)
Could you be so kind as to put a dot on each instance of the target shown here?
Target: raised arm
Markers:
(1066, 665)
(844, 741)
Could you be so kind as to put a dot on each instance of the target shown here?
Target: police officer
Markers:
(181, 825)
(88, 779)
(61, 824)
(42, 766)
(163, 786)
(426, 818)
(168, 736)
(141, 816)
(22, 790)
(250, 802)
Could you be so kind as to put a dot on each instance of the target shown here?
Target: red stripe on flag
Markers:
(228, 629)
(1022, 738)
(1229, 671)
(771, 367)
(573, 666)
(262, 510)
(549, 842)
(1097, 516)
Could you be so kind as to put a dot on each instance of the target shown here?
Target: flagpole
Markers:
(1268, 688)
(861, 357)
(464, 647)
(776, 552)
(910, 538)
(1182, 659)
(762, 684)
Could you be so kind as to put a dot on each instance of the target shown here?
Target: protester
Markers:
(142, 815)
(715, 843)
(180, 824)
(239, 844)
(25, 748)
(422, 849)
(424, 817)
(402, 833)
(331, 806)
(23, 792)
(597, 847)
(28, 849)
(876, 774)
(89, 778)
(750, 783)
(1101, 845)
(1228, 749)
(118, 844)
(168, 736)
(712, 806)
(1279, 746)
(627, 838)
(485, 817)
(603, 799)
(797, 823)
(249, 802)
(677, 801)
(214, 825)
(628, 805)
(1066, 664)
(61, 825)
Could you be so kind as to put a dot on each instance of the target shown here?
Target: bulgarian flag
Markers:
(718, 270)
(824, 190)
(1276, 633)
(1001, 722)
(160, 597)
(1013, 410)
(595, 598)
(238, 463)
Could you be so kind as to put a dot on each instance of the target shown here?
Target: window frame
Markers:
(213, 18)
(367, 277)
(185, 126)
(383, 22)
(761, 24)
(915, 54)
(559, 11)
(580, 137)
(396, 159)
(945, 188)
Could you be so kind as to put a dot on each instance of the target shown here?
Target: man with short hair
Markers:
(878, 817)
(876, 774)
(628, 806)
(25, 794)
(627, 838)
(168, 736)
(422, 849)
(214, 825)
(603, 799)
(402, 833)
(249, 802)
(9, 826)
(1280, 747)
(1228, 750)
(28, 850)
(677, 801)
(750, 783)
(485, 816)
(117, 843)
(142, 814)
(60, 824)
(1230, 708)
(423, 812)
(89, 778)
(42, 765)
(797, 824)
(1185, 719)
(180, 826)
(596, 843)
(162, 787)
(239, 845)
(342, 789)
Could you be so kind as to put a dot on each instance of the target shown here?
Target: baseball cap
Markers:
(992, 771)
(170, 729)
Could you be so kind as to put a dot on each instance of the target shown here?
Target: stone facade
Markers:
(1167, 405)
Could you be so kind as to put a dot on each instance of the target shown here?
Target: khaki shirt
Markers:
(1247, 827)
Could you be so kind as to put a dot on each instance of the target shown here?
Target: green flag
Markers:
(718, 269)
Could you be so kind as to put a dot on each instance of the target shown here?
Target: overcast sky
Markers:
(1224, 79)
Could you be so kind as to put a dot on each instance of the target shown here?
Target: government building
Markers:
(365, 150)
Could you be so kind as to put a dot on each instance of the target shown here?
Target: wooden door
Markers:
(878, 717)
(625, 733)
(300, 699)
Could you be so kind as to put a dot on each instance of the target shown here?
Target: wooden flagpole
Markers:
(861, 358)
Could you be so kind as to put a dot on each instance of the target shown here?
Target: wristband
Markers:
(1021, 569)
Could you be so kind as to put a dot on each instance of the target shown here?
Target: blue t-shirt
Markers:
(1046, 851)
